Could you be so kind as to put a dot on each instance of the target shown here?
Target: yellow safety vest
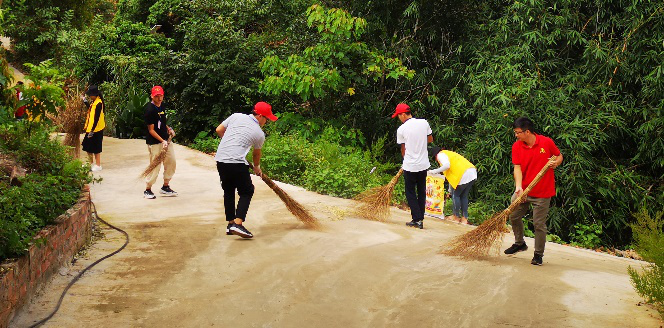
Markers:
(458, 166)
(91, 117)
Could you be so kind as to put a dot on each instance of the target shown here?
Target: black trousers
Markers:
(235, 177)
(416, 185)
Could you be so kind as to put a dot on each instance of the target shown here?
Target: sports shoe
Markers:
(166, 190)
(537, 259)
(149, 195)
(95, 168)
(240, 230)
(228, 228)
(516, 248)
(415, 224)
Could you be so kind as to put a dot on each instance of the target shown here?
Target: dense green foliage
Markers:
(53, 181)
(53, 184)
(589, 73)
(555, 62)
(36, 25)
(649, 243)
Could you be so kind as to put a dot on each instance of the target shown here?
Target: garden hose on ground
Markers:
(78, 276)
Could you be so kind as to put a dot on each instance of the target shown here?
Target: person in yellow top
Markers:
(461, 174)
(94, 127)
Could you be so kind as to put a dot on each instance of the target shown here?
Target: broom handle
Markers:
(396, 177)
(525, 192)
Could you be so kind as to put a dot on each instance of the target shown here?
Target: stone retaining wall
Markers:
(21, 278)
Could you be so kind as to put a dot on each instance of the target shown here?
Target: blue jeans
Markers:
(460, 199)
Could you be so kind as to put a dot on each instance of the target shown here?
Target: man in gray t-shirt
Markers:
(239, 133)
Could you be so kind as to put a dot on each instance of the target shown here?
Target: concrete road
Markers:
(181, 270)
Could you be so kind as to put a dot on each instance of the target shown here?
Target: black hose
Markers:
(78, 276)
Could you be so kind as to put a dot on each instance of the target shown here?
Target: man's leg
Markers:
(227, 184)
(153, 152)
(410, 181)
(169, 165)
(540, 214)
(421, 194)
(245, 189)
(516, 219)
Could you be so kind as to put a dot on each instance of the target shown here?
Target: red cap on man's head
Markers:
(157, 90)
(263, 108)
(401, 108)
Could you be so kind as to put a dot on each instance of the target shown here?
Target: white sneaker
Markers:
(95, 168)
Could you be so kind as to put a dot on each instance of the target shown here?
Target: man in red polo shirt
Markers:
(530, 153)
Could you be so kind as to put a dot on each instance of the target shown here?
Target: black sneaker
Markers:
(228, 228)
(415, 224)
(516, 248)
(149, 195)
(537, 259)
(166, 190)
(240, 230)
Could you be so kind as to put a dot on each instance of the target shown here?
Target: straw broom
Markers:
(488, 236)
(157, 160)
(299, 211)
(375, 202)
(70, 120)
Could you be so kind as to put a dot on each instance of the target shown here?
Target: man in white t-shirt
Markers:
(413, 136)
(240, 133)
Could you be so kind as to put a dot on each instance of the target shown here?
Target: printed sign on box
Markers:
(435, 195)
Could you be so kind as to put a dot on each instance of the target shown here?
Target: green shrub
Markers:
(649, 242)
(53, 184)
(205, 143)
(587, 236)
(323, 166)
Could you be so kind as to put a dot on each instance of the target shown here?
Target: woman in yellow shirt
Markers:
(94, 127)
(461, 174)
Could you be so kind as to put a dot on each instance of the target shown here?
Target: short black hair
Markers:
(433, 151)
(524, 124)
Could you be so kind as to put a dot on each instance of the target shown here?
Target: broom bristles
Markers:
(156, 161)
(299, 211)
(70, 119)
(488, 236)
(481, 241)
(374, 204)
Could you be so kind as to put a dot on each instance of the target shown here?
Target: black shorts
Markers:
(93, 145)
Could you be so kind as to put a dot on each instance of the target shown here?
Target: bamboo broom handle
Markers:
(525, 192)
(396, 177)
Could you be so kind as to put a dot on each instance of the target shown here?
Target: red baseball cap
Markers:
(263, 108)
(401, 108)
(157, 90)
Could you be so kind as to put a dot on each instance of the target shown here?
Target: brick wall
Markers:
(21, 278)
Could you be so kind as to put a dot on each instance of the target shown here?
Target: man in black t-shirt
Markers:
(157, 139)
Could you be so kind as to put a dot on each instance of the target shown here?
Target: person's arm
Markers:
(156, 135)
(518, 180)
(444, 164)
(429, 139)
(256, 157)
(221, 129)
(403, 150)
(437, 171)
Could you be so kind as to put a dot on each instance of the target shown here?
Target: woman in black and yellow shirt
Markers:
(94, 127)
